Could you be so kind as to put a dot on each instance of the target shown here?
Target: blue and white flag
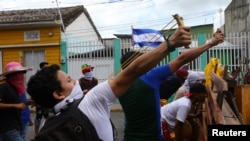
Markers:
(147, 37)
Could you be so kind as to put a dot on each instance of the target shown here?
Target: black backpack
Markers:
(70, 125)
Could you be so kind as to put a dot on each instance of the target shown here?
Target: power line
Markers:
(124, 26)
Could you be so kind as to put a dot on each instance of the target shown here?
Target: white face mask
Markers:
(75, 94)
(76, 91)
(88, 75)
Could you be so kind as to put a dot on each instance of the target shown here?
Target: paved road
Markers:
(117, 118)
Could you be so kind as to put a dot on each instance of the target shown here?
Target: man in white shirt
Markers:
(174, 114)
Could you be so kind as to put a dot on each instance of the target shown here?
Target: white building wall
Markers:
(81, 29)
(237, 17)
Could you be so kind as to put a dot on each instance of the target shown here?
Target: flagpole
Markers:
(132, 37)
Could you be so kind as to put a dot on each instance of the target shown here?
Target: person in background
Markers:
(25, 116)
(53, 88)
(172, 83)
(174, 114)
(12, 128)
(232, 79)
(194, 76)
(141, 102)
(41, 112)
(87, 82)
(43, 65)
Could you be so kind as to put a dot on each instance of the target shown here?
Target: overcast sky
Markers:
(118, 16)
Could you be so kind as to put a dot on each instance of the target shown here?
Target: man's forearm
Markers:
(150, 59)
(6, 106)
(193, 53)
(139, 66)
(178, 131)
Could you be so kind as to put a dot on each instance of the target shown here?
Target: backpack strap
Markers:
(74, 106)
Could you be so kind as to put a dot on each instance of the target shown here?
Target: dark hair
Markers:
(42, 85)
(169, 86)
(129, 57)
(42, 64)
(197, 88)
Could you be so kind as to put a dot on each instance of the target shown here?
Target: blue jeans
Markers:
(12, 135)
(24, 130)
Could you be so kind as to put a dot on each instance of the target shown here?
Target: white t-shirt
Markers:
(96, 105)
(176, 110)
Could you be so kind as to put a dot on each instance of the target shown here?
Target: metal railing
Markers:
(231, 53)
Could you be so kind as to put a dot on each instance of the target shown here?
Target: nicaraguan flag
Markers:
(147, 37)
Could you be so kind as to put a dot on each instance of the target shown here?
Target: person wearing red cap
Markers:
(87, 82)
(174, 114)
(14, 111)
(182, 73)
(193, 76)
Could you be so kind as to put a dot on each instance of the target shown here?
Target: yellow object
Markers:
(164, 102)
(214, 66)
(172, 135)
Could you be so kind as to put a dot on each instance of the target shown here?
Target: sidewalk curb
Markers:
(116, 108)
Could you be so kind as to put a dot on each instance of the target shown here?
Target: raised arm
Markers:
(193, 53)
(147, 61)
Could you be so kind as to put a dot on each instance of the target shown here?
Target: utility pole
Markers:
(61, 19)
(220, 10)
(63, 45)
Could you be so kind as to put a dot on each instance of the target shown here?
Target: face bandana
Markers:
(17, 80)
(76, 93)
